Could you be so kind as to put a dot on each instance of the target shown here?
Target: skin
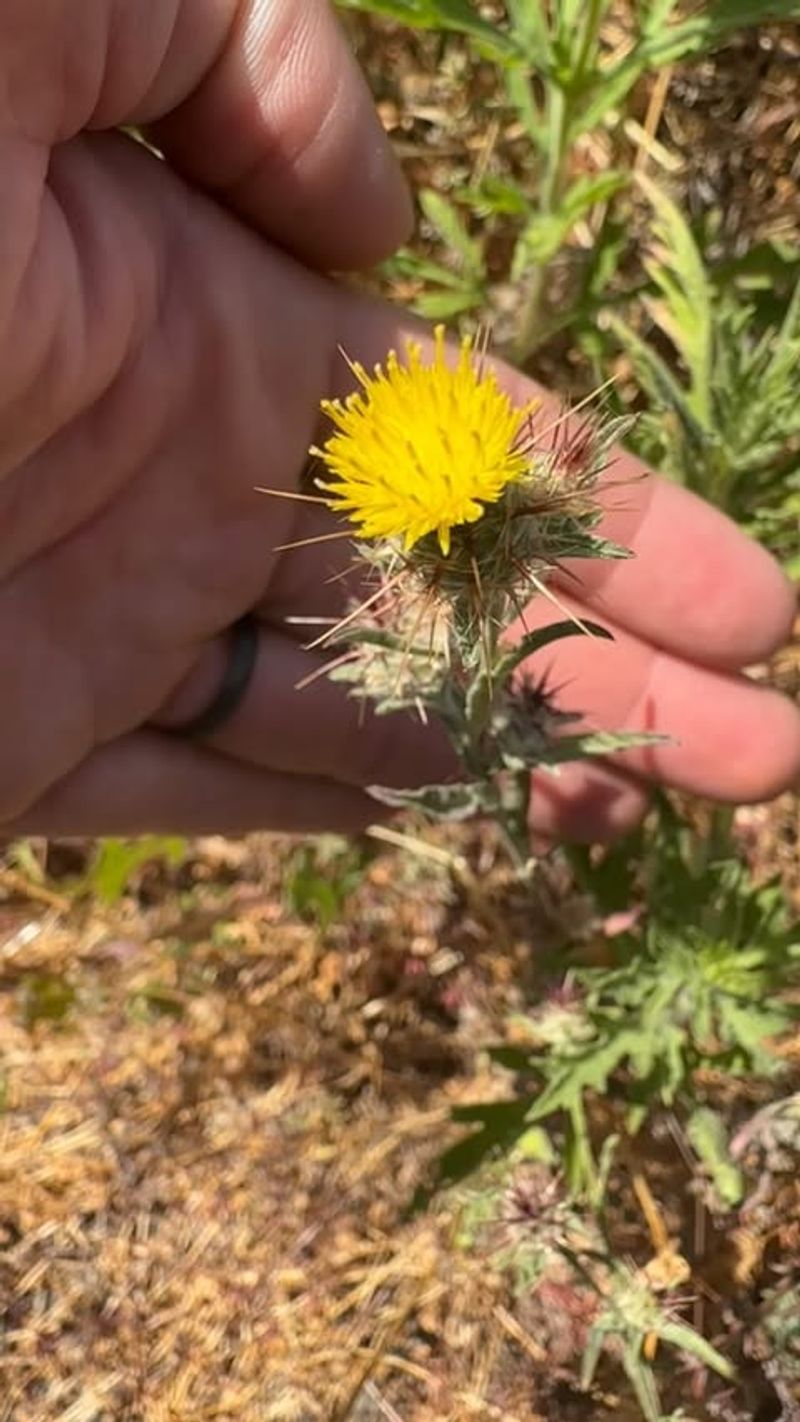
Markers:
(166, 334)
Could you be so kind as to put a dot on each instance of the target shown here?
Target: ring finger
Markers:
(294, 719)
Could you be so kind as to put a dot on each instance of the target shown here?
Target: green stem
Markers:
(513, 820)
(561, 104)
(558, 125)
(594, 15)
(513, 792)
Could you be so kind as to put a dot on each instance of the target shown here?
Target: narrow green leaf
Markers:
(522, 98)
(660, 384)
(591, 1358)
(443, 802)
(707, 1136)
(679, 1335)
(656, 17)
(530, 30)
(662, 43)
(536, 641)
(547, 232)
(449, 224)
(680, 273)
(614, 83)
(585, 192)
(441, 305)
(569, 748)
(710, 25)
(408, 264)
(643, 1382)
(789, 333)
(457, 15)
(495, 195)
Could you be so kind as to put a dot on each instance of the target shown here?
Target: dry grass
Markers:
(205, 1163)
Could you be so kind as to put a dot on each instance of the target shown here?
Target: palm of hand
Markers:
(162, 362)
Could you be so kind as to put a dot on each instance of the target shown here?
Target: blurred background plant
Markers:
(562, 244)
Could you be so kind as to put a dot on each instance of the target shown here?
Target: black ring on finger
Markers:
(241, 663)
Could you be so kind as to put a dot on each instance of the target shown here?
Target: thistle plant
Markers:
(463, 505)
(633, 1321)
(588, 1302)
(698, 990)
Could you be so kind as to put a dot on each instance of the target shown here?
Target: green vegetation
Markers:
(702, 346)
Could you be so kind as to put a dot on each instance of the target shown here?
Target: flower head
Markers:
(422, 447)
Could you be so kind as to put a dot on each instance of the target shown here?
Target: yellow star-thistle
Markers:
(422, 447)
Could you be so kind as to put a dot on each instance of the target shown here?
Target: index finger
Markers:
(284, 130)
(261, 103)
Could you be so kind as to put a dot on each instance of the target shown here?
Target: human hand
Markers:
(159, 360)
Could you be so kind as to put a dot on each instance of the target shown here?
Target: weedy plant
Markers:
(591, 1302)
(116, 862)
(689, 1000)
(465, 506)
(780, 1328)
(698, 988)
(636, 1320)
(112, 868)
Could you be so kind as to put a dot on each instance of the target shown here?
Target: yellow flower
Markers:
(422, 447)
